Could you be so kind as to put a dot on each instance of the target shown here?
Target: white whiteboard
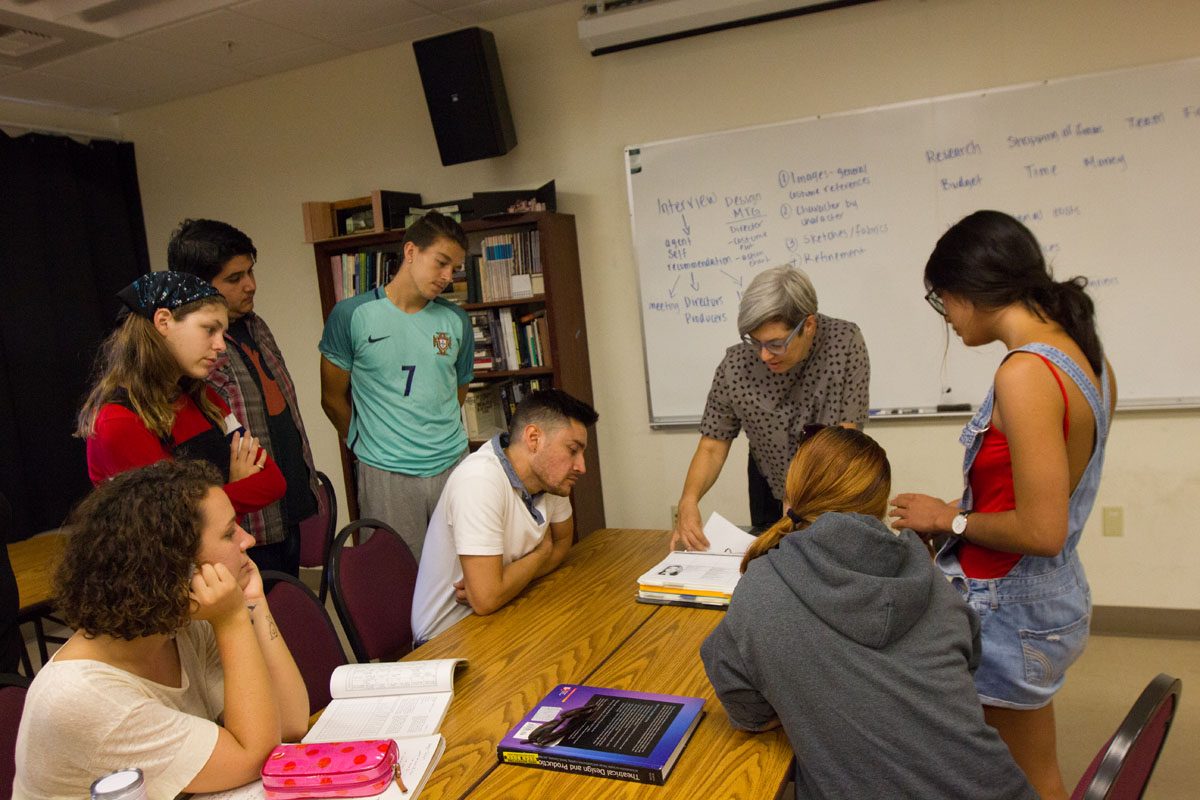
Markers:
(1105, 169)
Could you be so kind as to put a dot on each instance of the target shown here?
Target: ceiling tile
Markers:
(188, 87)
(402, 32)
(296, 59)
(123, 64)
(33, 85)
(494, 9)
(119, 19)
(328, 20)
(224, 38)
(442, 6)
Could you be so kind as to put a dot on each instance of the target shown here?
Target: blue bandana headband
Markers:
(168, 290)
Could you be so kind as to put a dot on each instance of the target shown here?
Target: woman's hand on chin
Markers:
(252, 586)
(216, 595)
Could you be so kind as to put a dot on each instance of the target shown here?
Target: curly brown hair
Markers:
(127, 568)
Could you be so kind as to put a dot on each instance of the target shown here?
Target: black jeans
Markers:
(765, 510)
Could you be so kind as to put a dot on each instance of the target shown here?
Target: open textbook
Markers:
(693, 578)
(405, 701)
(725, 537)
(386, 701)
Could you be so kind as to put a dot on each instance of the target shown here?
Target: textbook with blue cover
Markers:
(607, 733)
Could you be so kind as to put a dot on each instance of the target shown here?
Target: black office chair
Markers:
(1122, 768)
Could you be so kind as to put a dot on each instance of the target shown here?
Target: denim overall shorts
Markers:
(1033, 621)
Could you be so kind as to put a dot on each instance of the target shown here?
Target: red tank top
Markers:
(992, 490)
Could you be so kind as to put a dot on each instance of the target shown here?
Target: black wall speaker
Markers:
(465, 92)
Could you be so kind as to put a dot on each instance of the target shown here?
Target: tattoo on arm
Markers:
(272, 630)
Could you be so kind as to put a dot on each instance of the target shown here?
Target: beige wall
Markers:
(250, 154)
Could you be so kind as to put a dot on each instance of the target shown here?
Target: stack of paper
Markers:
(693, 578)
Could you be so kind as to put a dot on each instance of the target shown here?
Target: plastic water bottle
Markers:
(124, 784)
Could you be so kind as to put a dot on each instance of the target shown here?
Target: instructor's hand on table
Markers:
(689, 530)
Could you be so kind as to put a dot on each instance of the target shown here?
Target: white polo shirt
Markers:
(483, 511)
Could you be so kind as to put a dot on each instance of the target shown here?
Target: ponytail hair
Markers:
(993, 260)
(835, 469)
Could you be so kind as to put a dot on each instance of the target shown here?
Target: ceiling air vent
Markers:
(609, 26)
(18, 42)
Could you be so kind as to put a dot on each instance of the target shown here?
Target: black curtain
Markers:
(71, 235)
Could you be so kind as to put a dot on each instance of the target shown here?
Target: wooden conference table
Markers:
(33, 563)
(581, 624)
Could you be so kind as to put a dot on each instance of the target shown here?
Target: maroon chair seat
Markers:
(372, 585)
(316, 533)
(1122, 768)
(12, 703)
(308, 631)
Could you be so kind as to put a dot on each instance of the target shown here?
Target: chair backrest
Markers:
(12, 703)
(308, 631)
(1122, 768)
(316, 532)
(372, 585)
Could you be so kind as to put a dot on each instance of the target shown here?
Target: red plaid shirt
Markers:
(231, 378)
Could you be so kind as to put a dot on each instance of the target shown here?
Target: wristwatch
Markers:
(959, 525)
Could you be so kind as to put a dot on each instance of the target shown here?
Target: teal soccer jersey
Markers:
(405, 370)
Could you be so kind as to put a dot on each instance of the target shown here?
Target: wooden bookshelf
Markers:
(562, 300)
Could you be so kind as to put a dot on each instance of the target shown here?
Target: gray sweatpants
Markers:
(405, 502)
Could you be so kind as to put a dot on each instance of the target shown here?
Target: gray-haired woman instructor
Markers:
(794, 368)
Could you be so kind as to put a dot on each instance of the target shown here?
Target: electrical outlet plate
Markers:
(1114, 520)
(674, 516)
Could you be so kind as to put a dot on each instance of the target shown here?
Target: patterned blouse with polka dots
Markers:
(829, 387)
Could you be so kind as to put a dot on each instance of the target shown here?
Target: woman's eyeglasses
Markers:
(935, 302)
(564, 724)
(775, 347)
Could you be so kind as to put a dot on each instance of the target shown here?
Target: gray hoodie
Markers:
(850, 635)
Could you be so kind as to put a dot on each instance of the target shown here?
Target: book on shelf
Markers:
(489, 406)
(405, 701)
(508, 336)
(355, 273)
(509, 265)
(701, 579)
(512, 392)
(508, 339)
(483, 412)
(487, 355)
(608, 733)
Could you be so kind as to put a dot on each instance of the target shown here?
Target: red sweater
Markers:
(120, 442)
